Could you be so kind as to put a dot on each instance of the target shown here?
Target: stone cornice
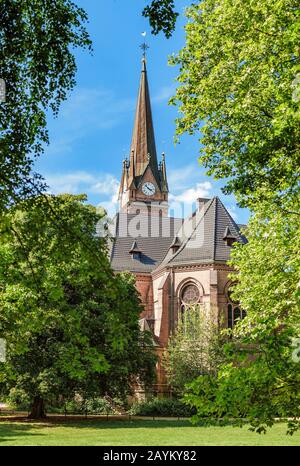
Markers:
(191, 268)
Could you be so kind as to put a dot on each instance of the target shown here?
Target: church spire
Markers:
(143, 145)
(144, 185)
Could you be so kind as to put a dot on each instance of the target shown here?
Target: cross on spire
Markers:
(144, 47)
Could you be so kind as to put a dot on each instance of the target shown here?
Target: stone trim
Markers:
(191, 268)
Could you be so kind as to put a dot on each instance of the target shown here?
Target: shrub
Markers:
(18, 399)
(94, 406)
(170, 407)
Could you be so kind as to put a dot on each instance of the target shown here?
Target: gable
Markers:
(147, 176)
(203, 236)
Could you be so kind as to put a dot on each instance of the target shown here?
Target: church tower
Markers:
(144, 186)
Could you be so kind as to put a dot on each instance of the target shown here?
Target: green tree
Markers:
(37, 41)
(37, 62)
(195, 348)
(238, 91)
(70, 324)
(260, 380)
(162, 16)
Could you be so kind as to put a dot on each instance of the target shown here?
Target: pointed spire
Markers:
(131, 167)
(163, 170)
(124, 178)
(143, 140)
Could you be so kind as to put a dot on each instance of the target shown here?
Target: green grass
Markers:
(146, 433)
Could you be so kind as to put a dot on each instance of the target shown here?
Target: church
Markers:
(176, 261)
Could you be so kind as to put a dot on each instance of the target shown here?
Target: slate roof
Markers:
(201, 238)
(128, 228)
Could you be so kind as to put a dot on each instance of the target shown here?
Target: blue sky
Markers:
(92, 133)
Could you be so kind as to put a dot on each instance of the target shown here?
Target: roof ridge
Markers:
(231, 218)
(214, 244)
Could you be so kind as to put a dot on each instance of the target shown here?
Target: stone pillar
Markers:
(213, 289)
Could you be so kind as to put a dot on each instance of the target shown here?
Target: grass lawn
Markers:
(137, 432)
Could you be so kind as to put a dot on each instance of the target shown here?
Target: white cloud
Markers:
(83, 182)
(185, 202)
(182, 178)
(192, 194)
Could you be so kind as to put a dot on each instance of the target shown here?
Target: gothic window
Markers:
(234, 310)
(190, 296)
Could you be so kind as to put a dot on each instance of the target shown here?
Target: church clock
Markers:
(148, 189)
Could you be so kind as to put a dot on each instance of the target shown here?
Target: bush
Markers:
(18, 399)
(94, 406)
(162, 407)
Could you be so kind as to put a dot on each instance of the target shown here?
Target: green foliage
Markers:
(261, 378)
(238, 72)
(37, 41)
(18, 398)
(92, 406)
(195, 348)
(37, 62)
(169, 407)
(239, 86)
(162, 16)
(70, 324)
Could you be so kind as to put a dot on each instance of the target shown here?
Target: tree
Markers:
(37, 40)
(196, 348)
(162, 16)
(260, 381)
(70, 324)
(238, 76)
(240, 87)
(37, 63)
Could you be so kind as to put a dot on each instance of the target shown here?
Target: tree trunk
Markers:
(37, 408)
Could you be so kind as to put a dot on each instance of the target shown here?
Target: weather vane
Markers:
(144, 46)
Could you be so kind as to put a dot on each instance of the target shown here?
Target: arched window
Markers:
(190, 294)
(234, 310)
(189, 297)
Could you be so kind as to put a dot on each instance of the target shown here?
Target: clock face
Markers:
(148, 189)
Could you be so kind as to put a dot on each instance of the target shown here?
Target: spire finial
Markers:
(144, 47)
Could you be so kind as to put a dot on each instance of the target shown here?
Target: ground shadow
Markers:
(109, 423)
(13, 430)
